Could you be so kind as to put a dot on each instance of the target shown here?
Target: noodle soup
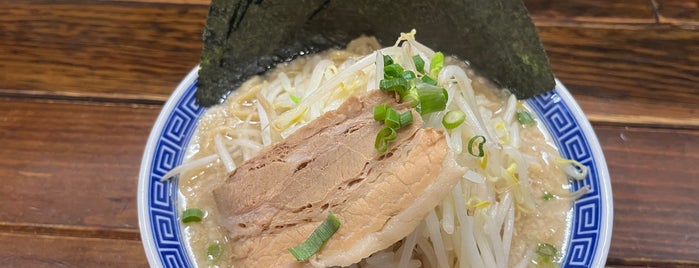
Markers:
(510, 209)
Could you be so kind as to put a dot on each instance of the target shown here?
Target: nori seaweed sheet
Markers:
(246, 38)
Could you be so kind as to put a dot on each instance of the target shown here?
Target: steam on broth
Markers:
(512, 203)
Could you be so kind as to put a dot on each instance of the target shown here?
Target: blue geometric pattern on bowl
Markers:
(162, 200)
(181, 122)
(572, 144)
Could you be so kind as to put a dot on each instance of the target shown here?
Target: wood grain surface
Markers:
(654, 188)
(98, 49)
(645, 75)
(68, 163)
(596, 11)
(683, 13)
(82, 82)
(38, 251)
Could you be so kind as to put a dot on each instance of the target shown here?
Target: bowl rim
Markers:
(146, 162)
(604, 179)
(607, 213)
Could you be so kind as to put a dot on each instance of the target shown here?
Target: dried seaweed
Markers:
(245, 38)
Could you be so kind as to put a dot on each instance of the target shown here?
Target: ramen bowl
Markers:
(589, 231)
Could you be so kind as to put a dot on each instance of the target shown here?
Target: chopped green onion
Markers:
(392, 71)
(314, 242)
(295, 99)
(406, 118)
(419, 64)
(475, 139)
(409, 75)
(453, 119)
(392, 136)
(387, 60)
(429, 80)
(431, 98)
(410, 96)
(420, 90)
(547, 196)
(394, 84)
(436, 64)
(546, 250)
(384, 136)
(525, 118)
(214, 251)
(547, 253)
(192, 215)
(380, 112)
(392, 119)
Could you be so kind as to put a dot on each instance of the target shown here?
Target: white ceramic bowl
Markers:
(590, 231)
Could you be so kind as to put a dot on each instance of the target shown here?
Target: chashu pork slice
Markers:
(275, 200)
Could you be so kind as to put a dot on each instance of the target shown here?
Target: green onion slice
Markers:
(409, 75)
(384, 136)
(547, 253)
(410, 96)
(428, 80)
(392, 71)
(192, 215)
(392, 135)
(314, 242)
(436, 64)
(546, 250)
(453, 119)
(525, 118)
(479, 140)
(387, 60)
(419, 64)
(548, 196)
(392, 119)
(406, 118)
(394, 84)
(380, 112)
(213, 251)
(295, 99)
(431, 98)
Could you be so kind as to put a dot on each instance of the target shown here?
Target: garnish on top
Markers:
(420, 90)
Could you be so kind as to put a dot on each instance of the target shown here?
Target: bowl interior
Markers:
(590, 231)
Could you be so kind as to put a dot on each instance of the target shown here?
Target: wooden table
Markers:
(81, 83)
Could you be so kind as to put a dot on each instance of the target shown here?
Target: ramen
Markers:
(509, 208)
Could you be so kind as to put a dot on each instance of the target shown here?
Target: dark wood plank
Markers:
(24, 250)
(601, 11)
(118, 49)
(654, 183)
(679, 12)
(636, 111)
(71, 163)
(74, 230)
(618, 74)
